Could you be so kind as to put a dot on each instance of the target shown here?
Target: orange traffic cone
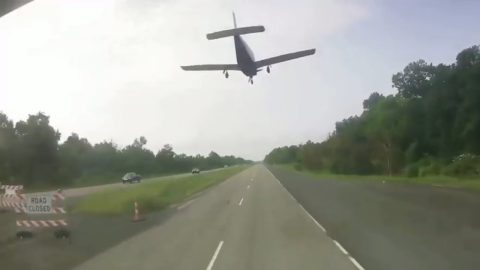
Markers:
(136, 215)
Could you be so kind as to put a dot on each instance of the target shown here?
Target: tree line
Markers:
(431, 126)
(31, 154)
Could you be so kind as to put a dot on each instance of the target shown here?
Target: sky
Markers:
(109, 70)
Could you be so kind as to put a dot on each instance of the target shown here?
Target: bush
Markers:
(298, 167)
(412, 170)
(424, 167)
(464, 165)
(434, 168)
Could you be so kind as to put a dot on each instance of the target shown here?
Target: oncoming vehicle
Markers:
(131, 177)
(195, 171)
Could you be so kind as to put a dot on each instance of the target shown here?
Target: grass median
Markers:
(151, 196)
(434, 180)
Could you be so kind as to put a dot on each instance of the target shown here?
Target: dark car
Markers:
(131, 177)
(195, 171)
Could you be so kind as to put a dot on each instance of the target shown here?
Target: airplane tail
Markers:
(236, 31)
(234, 20)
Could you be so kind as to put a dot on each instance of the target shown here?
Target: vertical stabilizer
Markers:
(234, 20)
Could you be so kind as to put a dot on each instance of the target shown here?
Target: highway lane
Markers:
(393, 226)
(247, 222)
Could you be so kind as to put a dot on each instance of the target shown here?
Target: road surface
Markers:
(393, 226)
(247, 222)
(276, 219)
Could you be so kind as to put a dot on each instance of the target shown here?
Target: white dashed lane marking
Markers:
(212, 261)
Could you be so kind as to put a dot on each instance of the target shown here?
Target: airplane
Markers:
(245, 59)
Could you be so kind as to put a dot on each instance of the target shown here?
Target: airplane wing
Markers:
(211, 67)
(283, 58)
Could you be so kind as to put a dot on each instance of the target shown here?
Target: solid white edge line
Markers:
(240, 203)
(356, 263)
(212, 261)
(301, 206)
(314, 220)
(340, 247)
(185, 204)
(319, 225)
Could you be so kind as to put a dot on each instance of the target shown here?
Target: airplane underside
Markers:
(245, 59)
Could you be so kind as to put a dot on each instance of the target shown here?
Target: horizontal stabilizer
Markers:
(235, 32)
(211, 67)
(283, 58)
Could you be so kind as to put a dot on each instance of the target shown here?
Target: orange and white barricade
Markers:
(42, 211)
(11, 198)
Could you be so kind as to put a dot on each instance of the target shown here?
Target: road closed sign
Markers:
(39, 204)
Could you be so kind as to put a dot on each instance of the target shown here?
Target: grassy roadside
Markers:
(441, 180)
(152, 196)
(98, 180)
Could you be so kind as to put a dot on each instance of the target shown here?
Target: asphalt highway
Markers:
(247, 222)
(394, 226)
(272, 218)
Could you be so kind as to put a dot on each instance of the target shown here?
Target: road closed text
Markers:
(39, 204)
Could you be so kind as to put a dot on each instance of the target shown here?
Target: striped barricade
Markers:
(12, 198)
(42, 223)
(42, 211)
(11, 205)
(11, 187)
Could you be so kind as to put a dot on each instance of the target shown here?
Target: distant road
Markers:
(247, 222)
(393, 226)
(82, 191)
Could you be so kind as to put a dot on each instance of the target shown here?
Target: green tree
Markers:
(415, 80)
(7, 143)
(36, 156)
(138, 159)
(166, 158)
(73, 154)
(433, 118)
